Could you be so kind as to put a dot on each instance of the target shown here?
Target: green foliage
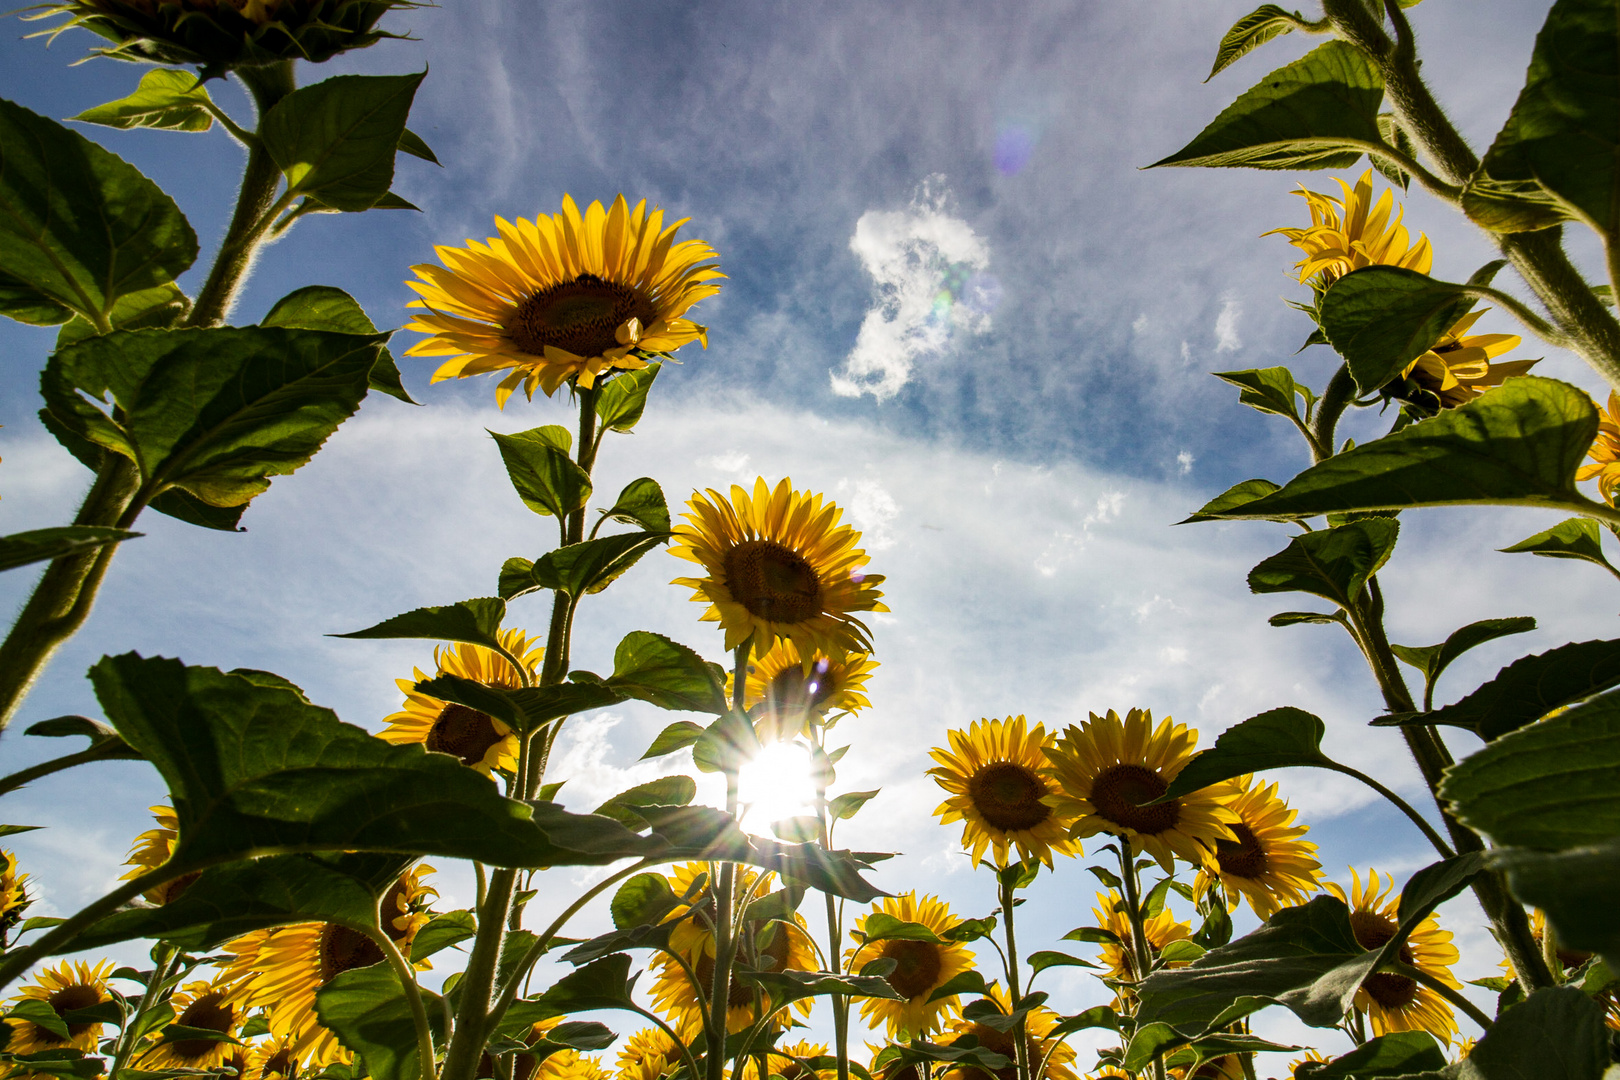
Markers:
(849, 804)
(642, 900)
(1277, 739)
(1394, 136)
(157, 307)
(1533, 686)
(476, 621)
(1575, 887)
(578, 569)
(1381, 318)
(324, 307)
(546, 478)
(1239, 494)
(1572, 538)
(79, 226)
(642, 504)
(1395, 1054)
(1331, 563)
(1432, 660)
(1270, 390)
(442, 932)
(40, 545)
(664, 791)
(367, 1010)
(335, 140)
(624, 398)
(167, 99)
(1556, 1034)
(785, 987)
(1312, 114)
(650, 667)
(1252, 31)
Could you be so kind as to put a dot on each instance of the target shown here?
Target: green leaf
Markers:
(797, 830)
(1098, 1016)
(1096, 935)
(546, 478)
(335, 140)
(1184, 950)
(1297, 117)
(325, 307)
(1300, 618)
(1516, 445)
(1533, 686)
(1575, 887)
(849, 804)
(650, 667)
(256, 769)
(173, 1033)
(643, 900)
(1252, 31)
(443, 931)
(1276, 739)
(1572, 538)
(1331, 563)
(664, 791)
(965, 982)
(624, 398)
(677, 736)
(1558, 156)
(641, 503)
(959, 1052)
(475, 621)
(1432, 886)
(1433, 660)
(601, 984)
(39, 1013)
(1046, 958)
(591, 565)
(167, 99)
(881, 926)
(40, 545)
(523, 708)
(1233, 497)
(970, 929)
(1381, 318)
(413, 144)
(62, 727)
(79, 226)
(1271, 390)
(154, 308)
(367, 1010)
(1556, 1034)
(216, 412)
(1553, 784)
(785, 987)
(1395, 1054)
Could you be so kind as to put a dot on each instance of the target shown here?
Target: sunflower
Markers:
(787, 1062)
(282, 968)
(780, 568)
(152, 849)
(1038, 1025)
(478, 739)
(1394, 1002)
(1226, 1067)
(1605, 451)
(1458, 369)
(1268, 863)
(647, 1055)
(523, 1065)
(571, 1065)
(197, 1005)
(14, 898)
(68, 987)
(273, 1059)
(1120, 957)
(1108, 767)
(568, 296)
(1569, 960)
(789, 694)
(922, 967)
(1351, 232)
(779, 949)
(996, 776)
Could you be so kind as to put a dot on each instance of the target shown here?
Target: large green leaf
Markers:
(367, 1010)
(523, 709)
(215, 413)
(254, 768)
(326, 307)
(476, 621)
(1381, 318)
(336, 140)
(1558, 156)
(1298, 117)
(546, 478)
(601, 984)
(1277, 739)
(167, 99)
(79, 226)
(1553, 784)
(1576, 888)
(38, 545)
(652, 668)
(624, 398)
(1556, 1034)
(641, 503)
(1433, 660)
(577, 569)
(1517, 445)
(1252, 31)
(1533, 686)
(664, 791)
(158, 307)
(1572, 538)
(642, 901)
(1390, 1055)
(1331, 563)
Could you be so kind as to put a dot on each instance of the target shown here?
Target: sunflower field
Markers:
(281, 917)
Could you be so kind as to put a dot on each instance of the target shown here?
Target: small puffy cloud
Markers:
(929, 284)
(1226, 335)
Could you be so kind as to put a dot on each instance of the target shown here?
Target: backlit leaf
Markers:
(1533, 686)
(1572, 538)
(324, 307)
(1252, 31)
(40, 545)
(546, 478)
(335, 140)
(367, 1010)
(1331, 563)
(166, 99)
(1381, 318)
(476, 621)
(1277, 739)
(624, 398)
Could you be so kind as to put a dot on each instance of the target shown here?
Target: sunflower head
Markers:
(921, 967)
(14, 898)
(152, 849)
(223, 34)
(999, 789)
(68, 987)
(1038, 1044)
(1109, 772)
(1604, 465)
(648, 1055)
(567, 297)
(207, 1007)
(571, 1065)
(1267, 863)
(788, 693)
(1351, 231)
(1390, 1001)
(1119, 957)
(272, 1059)
(479, 740)
(779, 568)
(1459, 368)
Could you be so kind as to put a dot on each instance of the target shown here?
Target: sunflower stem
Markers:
(1340, 392)
(163, 963)
(413, 996)
(1418, 975)
(724, 945)
(1014, 989)
(478, 979)
(1142, 959)
(840, 1004)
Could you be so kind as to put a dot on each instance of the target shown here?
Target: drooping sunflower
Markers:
(779, 949)
(1268, 864)
(787, 694)
(1120, 957)
(922, 967)
(1605, 451)
(565, 296)
(1350, 232)
(14, 898)
(787, 1061)
(68, 987)
(1394, 1002)
(202, 1005)
(280, 969)
(1107, 768)
(1459, 368)
(996, 775)
(780, 568)
(648, 1055)
(478, 739)
(1038, 1025)
(152, 849)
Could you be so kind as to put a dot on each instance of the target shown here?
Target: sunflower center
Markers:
(772, 957)
(209, 1011)
(773, 581)
(1389, 990)
(917, 966)
(1243, 857)
(580, 316)
(1008, 796)
(464, 733)
(64, 1001)
(792, 690)
(281, 1063)
(343, 949)
(1119, 791)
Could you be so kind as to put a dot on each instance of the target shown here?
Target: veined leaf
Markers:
(1533, 686)
(335, 140)
(324, 307)
(367, 1010)
(521, 708)
(1381, 318)
(624, 398)
(664, 791)
(1576, 887)
(546, 478)
(1239, 494)
(1270, 390)
(155, 308)
(476, 621)
(591, 565)
(641, 503)
(1433, 660)
(652, 668)
(1572, 538)
(1277, 739)
(1396, 1054)
(1331, 563)
(40, 545)
(167, 99)
(1252, 31)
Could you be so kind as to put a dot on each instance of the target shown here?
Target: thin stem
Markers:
(1143, 960)
(108, 747)
(413, 997)
(1516, 307)
(1417, 974)
(835, 936)
(237, 131)
(1403, 806)
(1014, 989)
(1340, 392)
(724, 947)
(164, 961)
(53, 941)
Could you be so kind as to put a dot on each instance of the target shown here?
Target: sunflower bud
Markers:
(222, 34)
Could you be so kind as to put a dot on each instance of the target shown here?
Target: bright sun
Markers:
(776, 784)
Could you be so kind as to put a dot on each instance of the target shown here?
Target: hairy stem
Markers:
(103, 749)
(1014, 988)
(163, 964)
(1341, 390)
(413, 997)
(478, 979)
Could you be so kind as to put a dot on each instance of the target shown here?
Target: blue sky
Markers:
(1016, 456)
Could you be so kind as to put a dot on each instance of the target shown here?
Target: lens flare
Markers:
(775, 785)
(1015, 145)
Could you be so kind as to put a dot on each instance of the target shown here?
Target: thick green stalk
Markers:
(1014, 987)
(1341, 390)
(1142, 957)
(163, 963)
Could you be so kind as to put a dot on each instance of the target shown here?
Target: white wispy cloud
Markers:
(1226, 326)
